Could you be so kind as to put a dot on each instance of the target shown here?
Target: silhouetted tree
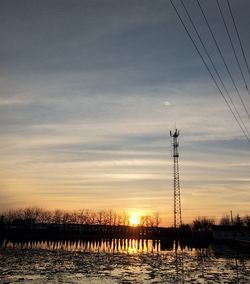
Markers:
(34, 215)
(100, 217)
(125, 219)
(225, 221)
(57, 216)
(118, 219)
(157, 219)
(202, 224)
(66, 218)
(238, 221)
(44, 216)
(246, 220)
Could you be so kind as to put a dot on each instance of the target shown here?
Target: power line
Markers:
(209, 71)
(231, 42)
(213, 65)
(222, 57)
(238, 35)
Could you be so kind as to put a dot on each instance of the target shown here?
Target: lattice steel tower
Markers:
(177, 192)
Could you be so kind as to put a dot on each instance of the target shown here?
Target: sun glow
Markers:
(134, 219)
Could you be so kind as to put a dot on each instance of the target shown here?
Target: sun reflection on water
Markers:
(131, 246)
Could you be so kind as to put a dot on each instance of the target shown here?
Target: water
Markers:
(120, 261)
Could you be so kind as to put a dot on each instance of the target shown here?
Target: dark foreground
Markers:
(23, 230)
(120, 261)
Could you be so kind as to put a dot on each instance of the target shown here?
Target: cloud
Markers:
(83, 107)
(12, 101)
(167, 103)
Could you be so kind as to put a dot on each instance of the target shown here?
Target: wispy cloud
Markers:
(88, 96)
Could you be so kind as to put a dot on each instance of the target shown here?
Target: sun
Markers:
(134, 219)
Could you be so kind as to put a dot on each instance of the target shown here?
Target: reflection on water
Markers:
(179, 266)
(94, 246)
(119, 261)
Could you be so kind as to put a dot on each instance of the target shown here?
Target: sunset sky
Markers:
(89, 90)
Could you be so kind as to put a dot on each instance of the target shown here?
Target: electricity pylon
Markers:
(177, 192)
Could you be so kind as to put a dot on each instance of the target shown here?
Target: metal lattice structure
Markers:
(177, 192)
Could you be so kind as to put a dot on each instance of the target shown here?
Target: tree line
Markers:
(83, 216)
(236, 221)
(108, 217)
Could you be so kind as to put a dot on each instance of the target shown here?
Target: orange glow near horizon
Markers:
(134, 219)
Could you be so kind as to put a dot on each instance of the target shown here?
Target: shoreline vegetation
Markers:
(40, 224)
(83, 217)
(35, 215)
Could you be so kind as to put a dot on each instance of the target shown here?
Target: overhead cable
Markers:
(232, 45)
(209, 71)
(213, 65)
(222, 57)
(238, 35)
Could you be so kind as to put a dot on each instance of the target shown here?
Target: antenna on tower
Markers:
(177, 192)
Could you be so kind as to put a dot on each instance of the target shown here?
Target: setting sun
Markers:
(134, 219)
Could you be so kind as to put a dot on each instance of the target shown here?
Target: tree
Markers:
(238, 221)
(57, 218)
(246, 220)
(202, 224)
(225, 221)
(157, 219)
(125, 219)
(100, 217)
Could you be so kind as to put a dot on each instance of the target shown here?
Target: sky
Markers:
(89, 92)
